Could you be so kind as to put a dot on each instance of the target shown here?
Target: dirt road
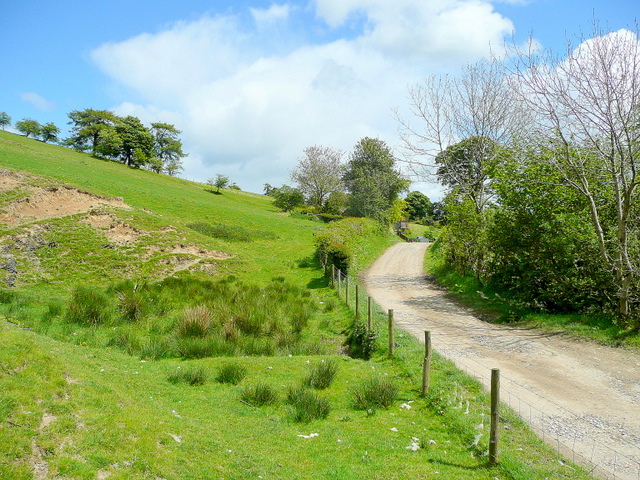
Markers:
(585, 396)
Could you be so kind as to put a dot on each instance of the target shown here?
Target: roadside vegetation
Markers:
(135, 346)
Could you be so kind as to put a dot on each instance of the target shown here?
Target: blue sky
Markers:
(251, 83)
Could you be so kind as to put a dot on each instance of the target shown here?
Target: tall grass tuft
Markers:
(88, 307)
(232, 373)
(375, 392)
(195, 322)
(321, 374)
(259, 395)
(307, 405)
(188, 375)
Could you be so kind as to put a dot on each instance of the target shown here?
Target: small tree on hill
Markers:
(49, 132)
(287, 198)
(5, 120)
(319, 173)
(221, 181)
(29, 127)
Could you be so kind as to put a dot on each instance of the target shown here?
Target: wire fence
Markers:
(567, 432)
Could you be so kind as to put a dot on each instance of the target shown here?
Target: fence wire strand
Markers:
(614, 465)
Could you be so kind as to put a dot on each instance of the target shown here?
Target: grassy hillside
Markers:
(121, 317)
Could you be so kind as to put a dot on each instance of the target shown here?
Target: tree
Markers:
(319, 173)
(221, 181)
(287, 198)
(5, 120)
(28, 126)
(372, 180)
(466, 168)
(137, 141)
(168, 147)
(586, 112)
(49, 132)
(89, 127)
(418, 206)
(478, 107)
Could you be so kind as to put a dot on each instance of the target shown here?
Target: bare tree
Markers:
(478, 104)
(319, 173)
(586, 108)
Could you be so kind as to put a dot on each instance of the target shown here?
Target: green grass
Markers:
(120, 390)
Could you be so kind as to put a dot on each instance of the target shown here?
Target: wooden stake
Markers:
(495, 416)
(426, 367)
(391, 339)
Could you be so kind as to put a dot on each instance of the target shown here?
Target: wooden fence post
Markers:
(357, 301)
(346, 290)
(495, 416)
(391, 339)
(333, 275)
(368, 314)
(426, 368)
(339, 281)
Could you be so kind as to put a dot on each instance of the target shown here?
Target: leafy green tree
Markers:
(220, 181)
(418, 206)
(168, 147)
(544, 250)
(5, 120)
(318, 173)
(49, 132)
(89, 127)
(29, 127)
(287, 198)
(336, 203)
(372, 180)
(466, 168)
(137, 141)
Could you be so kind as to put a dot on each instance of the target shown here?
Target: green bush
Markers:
(88, 307)
(307, 405)
(195, 322)
(360, 343)
(232, 373)
(259, 395)
(188, 375)
(376, 392)
(321, 374)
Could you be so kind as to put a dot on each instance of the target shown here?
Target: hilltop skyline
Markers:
(252, 83)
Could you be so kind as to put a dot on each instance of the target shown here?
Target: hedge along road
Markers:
(582, 397)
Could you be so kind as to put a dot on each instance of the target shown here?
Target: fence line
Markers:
(601, 460)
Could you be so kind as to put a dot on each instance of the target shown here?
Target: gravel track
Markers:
(581, 397)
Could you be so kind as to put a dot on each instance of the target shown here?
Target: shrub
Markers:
(196, 347)
(155, 348)
(376, 392)
(232, 373)
(189, 375)
(360, 342)
(322, 374)
(88, 307)
(259, 395)
(307, 405)
(195, 322)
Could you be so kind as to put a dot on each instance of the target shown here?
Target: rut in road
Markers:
(583, 395)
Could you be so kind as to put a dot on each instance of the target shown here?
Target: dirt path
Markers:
(585, 396)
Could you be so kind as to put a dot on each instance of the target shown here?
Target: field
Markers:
(151, 329)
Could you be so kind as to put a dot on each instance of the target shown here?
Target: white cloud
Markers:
(248, 107)
(38, 101)
(271, 15)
